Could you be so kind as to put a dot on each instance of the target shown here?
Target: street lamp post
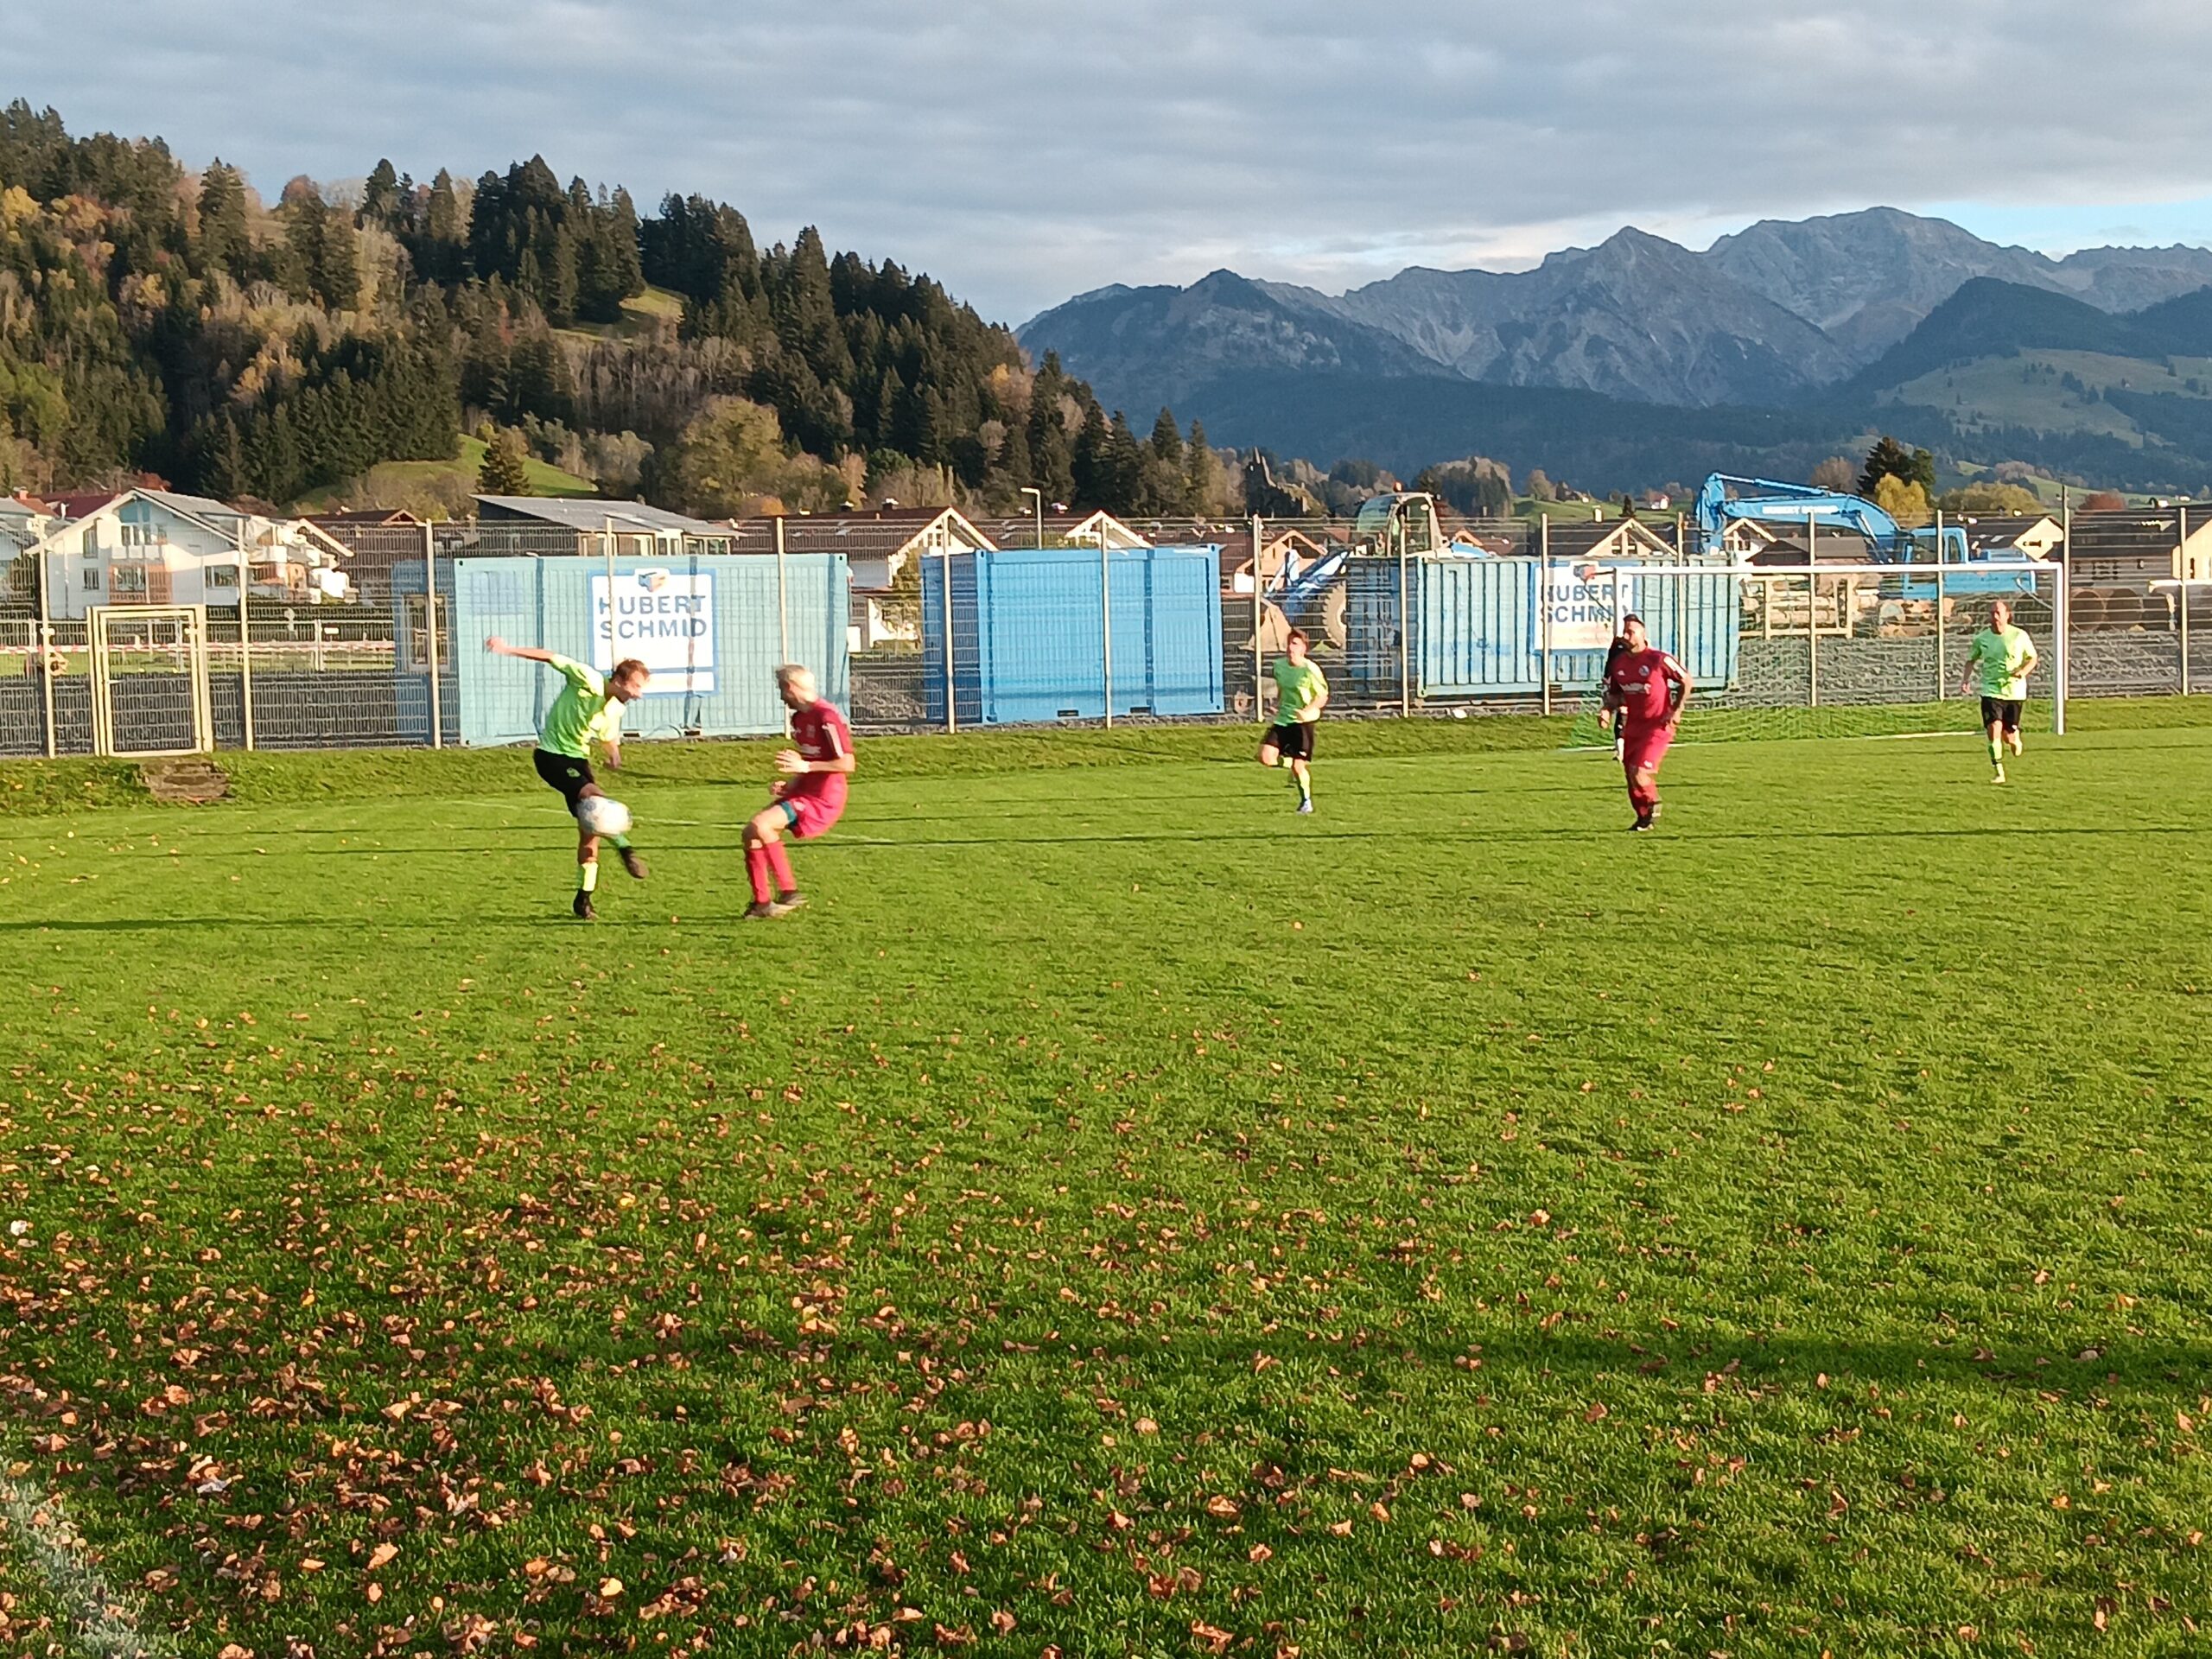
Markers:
(1038, 496)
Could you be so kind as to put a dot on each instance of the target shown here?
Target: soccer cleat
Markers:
(1304, 805)
(788, 903)
(584, 912)
(1643, 821)
(1999, 777)
(634, 862)
(759, 911)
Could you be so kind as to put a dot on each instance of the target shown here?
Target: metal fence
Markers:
(1508, 616)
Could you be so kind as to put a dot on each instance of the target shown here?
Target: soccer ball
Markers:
(600, 815)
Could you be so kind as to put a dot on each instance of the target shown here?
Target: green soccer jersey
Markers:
(1298, 686)
(2003, 658)
(584, 712)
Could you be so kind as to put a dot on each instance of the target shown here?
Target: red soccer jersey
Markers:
(1639, 680)
(819, 732)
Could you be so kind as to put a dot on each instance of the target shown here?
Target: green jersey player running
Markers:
(1999, 663)
(1300, 695)
(588, 711)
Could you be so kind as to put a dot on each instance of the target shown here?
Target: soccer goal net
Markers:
(1841, 651)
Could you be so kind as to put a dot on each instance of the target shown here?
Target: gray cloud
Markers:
(1024, 151)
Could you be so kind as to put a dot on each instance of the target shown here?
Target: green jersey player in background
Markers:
(1300, 695)
(588, 709)
(1999, 663)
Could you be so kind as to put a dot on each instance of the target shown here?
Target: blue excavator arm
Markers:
(1767, 501)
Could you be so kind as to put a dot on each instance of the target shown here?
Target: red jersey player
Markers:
(806, 800)
(1645, 690)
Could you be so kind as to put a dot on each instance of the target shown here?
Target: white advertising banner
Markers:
(1584, 603)
(664, 619)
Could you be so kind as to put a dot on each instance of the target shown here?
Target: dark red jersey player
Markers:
(805, 800)
(1645, 690)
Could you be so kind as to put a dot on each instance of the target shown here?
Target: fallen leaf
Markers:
(382, 1555)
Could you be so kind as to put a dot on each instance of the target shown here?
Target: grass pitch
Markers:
(1121, 1217)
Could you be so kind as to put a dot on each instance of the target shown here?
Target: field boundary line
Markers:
(102, 1621)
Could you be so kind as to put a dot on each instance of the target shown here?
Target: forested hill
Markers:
(156, 320)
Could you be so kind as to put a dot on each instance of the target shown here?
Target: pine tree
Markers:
(505, 468)
(323, 251)
(1125, 468)
(1166, 440)
(1199, 473)
(337, 274)
(225, 243)
(1092, 467)
(1051, 457)
(1889, 458)
(438, 255)
(625, 267)
(381, 202)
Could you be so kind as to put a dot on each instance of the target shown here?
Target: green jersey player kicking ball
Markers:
(588, 711)
(1999, 663)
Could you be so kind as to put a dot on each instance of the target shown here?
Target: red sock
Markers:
(756, 870)
(780, 862)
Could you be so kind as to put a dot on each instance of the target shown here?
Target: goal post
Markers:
(1828, 650)
(149, 680)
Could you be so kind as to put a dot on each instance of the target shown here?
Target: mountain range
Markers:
(1766, 317)
(1825, 327)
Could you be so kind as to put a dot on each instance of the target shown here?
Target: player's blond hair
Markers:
(797, 676)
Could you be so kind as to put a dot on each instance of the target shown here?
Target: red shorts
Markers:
(808, 815)
(1645, 746)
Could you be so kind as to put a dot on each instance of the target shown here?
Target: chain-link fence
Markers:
(1404, 613)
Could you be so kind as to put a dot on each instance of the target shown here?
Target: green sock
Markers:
(1996, 753)
(587, 876)
(621, 842)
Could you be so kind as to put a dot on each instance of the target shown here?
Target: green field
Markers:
(1120, 1216)
(643, 315)
(2024, 391)
(433, 487)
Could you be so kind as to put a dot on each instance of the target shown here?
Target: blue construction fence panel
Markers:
(711, 627)
(1029, 627)
(1477, 627)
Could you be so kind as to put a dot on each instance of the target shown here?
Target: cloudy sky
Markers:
(1023, 152)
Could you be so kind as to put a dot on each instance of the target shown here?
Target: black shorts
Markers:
(1293, 739)
(564, 772)
(2001, 711)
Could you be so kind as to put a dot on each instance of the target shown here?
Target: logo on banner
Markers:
(664, 619)
(1581, 603)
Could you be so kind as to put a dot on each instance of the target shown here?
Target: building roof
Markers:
(1605, 537)
(851, 535)
(571, 512)
(1019, 529)
(2149, 531)
(878, 533)
(365, 518)
(83, 505)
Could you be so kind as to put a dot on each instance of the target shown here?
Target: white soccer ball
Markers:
(601, 815)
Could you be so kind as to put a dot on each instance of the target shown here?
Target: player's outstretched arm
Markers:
(499, 647)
